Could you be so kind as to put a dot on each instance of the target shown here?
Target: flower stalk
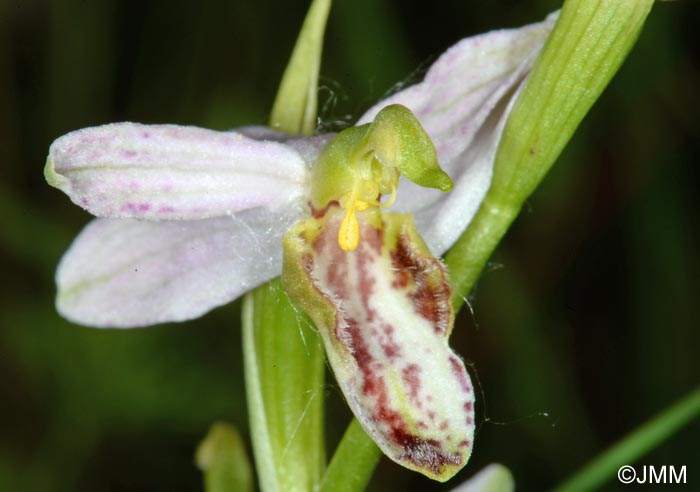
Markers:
(283, 360)
(283, 354)
(353, 462)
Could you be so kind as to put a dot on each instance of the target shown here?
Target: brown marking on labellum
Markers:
(372, 384)
(421, 452)
(402, 277)
(318, 213)
(375, 386)
(360, 351)
(336, 276)
(411, 376)
(391, 350)
(365, 286)
(460, 373)
(403, 264)
(388, 343)
(426, 453)
(431, 294)
(371, 236)
(324, 241)
(362, 258)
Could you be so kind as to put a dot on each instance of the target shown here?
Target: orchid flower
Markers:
(190, 219)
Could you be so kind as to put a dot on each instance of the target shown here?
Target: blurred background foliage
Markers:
(583, 327)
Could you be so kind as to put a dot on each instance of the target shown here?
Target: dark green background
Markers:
(584, 326)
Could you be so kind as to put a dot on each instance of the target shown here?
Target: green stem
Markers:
(588, 44)
(283, 353)
(284, 370)
(634, 446)
(356, 448)
(468, 256)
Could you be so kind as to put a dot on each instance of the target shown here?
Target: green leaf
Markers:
(223, 459)
(588, 44)
(295, 106)
(284, 369)
(636, 445)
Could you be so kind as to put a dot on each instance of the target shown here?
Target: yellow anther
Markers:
(349, 232)
(365, 194)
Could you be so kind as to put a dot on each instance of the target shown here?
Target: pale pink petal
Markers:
(443, 219)
(128, 273)
(164, 172)
(463, 103)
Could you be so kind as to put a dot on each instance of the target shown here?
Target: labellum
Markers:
(381, 301)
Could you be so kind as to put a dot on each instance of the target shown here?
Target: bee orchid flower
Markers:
(190, 219)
